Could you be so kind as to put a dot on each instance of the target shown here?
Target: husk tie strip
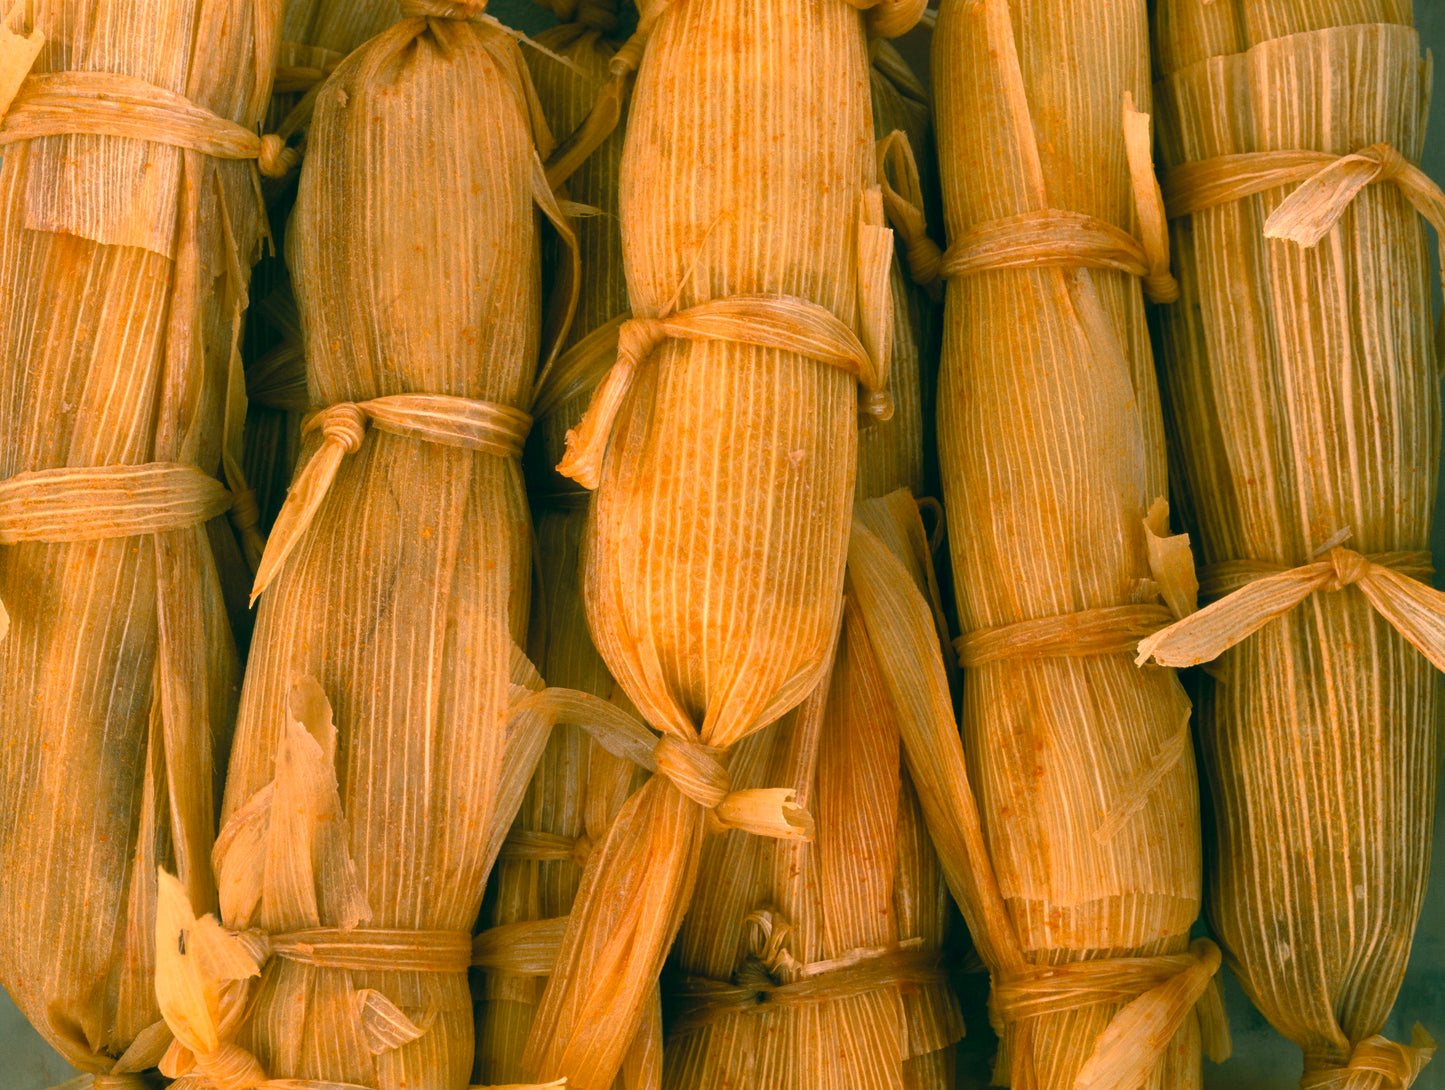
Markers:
(79, 503)
(766, 321)
(1390, 581)
(481, 426)
(1376, 1063)
(1107, 631)
(112, 104)
(1041, 238)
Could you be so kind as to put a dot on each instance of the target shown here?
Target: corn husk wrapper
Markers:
(1052, 456)
(775, 928)
(386, 657)
(578, 786)
(123, 267)
(715, 545)
(1302, 391)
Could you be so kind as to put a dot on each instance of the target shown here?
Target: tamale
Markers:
(723, 444)
(373, 760)
(128, 221)
(819, 964)
(578, 786)
(1052, 454)
(1302, 393)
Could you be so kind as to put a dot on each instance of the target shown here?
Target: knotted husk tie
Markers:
(767, 321)
(1043, 238)
(1326, 185)
(273, 846)
(1391, 582)
(1159, 993)
(482, 426)
(80, 503)
(113, 104)
(700, 1002)
(1376, 1064)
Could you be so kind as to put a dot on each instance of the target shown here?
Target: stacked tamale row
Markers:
(780, 939)
(366, 791)
(123, 265)
(1052, 454)
(1301, 387)
(715, 544)
(578, 786)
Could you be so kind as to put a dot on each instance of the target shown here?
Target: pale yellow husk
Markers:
(1052, 454)
(1301, 387)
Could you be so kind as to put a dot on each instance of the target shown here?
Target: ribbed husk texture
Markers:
(578, 786)
(123, 268)
(715, 545)
(1301, 388)
(415, 254)
(868, 888)
(1052, 453)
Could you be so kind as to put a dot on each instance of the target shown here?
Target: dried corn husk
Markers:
(754, 250)
(578, 786)
(1052, 455)
(126, 235)
(1302, 390)
(819, 964)
(386, 720)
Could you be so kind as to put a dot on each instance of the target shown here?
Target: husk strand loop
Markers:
(766, 321)
(1376, 1063)
(1106, 631)
(1392, 582)
(1058, 238)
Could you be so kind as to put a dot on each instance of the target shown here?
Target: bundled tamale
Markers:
(819, 964)
(1301, 387)
(724, 441)
(1053, 462)
(128, 221)
(578, 786)
(374, 769)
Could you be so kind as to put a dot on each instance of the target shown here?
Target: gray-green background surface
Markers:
(1262, 1059)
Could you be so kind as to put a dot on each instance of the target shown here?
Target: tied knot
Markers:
(694, 769)
(581, 849)
(343, 424)
(1160, 285)
(1392, 164)
(231, 1067)
(1349, 567)
(275, 159)
(245, 510)
(877, 403)
(925, 259)
(1394, 1066)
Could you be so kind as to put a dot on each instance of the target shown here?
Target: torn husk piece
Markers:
(128, 222)
(578, 786)
(1052, 451)
(723, 441)
(820, 964)
(1301, 383)
(362, 805)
